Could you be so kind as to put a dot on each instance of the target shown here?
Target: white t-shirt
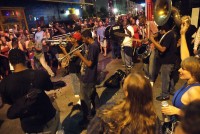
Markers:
(39, 36)
(128, 40)
(197, 39)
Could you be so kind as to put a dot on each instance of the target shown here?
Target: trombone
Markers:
(63, 36)
(59, 41)
(70, 54)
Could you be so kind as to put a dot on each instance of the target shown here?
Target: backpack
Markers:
(22, 106)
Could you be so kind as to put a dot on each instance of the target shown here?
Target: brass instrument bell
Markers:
(163, 10)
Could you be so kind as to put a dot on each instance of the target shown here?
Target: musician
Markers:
(75, 64)
(88, 94)
(116, 41)
(167, 47)
(127, 48)
(149, 28)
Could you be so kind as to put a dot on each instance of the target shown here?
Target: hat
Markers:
(77, 35)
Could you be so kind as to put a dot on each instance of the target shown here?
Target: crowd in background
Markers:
(29, 41)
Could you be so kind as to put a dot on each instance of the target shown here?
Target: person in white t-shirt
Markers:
(127, 48)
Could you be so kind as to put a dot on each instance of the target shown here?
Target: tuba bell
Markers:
(163, 11)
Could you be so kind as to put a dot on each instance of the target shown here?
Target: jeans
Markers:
(115, 49)
(75, 82)
(88, 96)
(166, 70)
(126, 55)
(151, 69)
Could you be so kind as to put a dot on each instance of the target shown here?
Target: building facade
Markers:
(45, 11)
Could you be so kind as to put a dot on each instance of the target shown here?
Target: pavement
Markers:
(66, 103)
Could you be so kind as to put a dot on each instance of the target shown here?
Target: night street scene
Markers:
(99, 66)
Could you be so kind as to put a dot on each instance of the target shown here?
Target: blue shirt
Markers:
(90, 75)
(178, 95)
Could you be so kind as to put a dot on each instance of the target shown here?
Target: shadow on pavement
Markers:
(71, 122)
(107, 94)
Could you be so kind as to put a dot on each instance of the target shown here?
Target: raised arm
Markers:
(184, 48)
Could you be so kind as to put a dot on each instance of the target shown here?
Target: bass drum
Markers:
(143, 51)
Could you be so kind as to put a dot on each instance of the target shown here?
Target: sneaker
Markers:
(79, 102)
(146, 76)
(162, 98)
(76, 96)
(129, 66)
(151, 83)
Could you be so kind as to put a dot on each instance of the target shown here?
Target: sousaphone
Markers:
(163, 10)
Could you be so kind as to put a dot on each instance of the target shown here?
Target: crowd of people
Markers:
(167, 50)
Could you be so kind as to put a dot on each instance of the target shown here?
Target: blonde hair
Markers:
(186, 19)
(135, 111)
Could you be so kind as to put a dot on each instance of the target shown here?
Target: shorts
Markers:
(103, 43)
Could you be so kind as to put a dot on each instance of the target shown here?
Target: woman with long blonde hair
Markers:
(135, 114)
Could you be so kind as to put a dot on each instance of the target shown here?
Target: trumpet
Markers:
(63, 36)
(70, 54)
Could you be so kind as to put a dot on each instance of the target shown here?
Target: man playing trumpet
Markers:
(88, 94)
(73, 63)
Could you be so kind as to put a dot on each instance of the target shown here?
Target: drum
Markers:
(143, 51)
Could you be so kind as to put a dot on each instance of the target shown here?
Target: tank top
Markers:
(176, 101)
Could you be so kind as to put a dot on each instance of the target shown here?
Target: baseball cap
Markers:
(77, 36)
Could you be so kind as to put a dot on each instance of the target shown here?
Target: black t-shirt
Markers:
(91, 72)
(191, 30)
(17, 85)
(74, 65)
(170, 42)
